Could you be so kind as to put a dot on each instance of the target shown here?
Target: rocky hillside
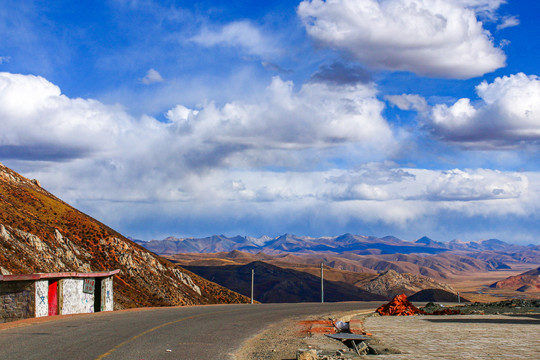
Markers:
(391, 283)
(527, 282)
(41, 233)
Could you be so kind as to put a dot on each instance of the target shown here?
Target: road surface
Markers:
(197, 332)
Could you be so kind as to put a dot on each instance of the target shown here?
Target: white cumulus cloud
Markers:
(152, 77)
(508, 114)
(39, 122)
(440, 38)
(319, 115)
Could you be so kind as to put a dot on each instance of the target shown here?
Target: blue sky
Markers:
(389, 117)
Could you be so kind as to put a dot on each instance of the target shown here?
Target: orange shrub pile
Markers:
(399, 306)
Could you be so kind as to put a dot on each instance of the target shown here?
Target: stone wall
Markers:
(74, 301)
(17, 300)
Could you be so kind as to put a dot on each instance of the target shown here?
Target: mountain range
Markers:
(350, 252)
(346, 243)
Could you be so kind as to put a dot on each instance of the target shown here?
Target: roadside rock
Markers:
(514, 306)
(303, 354)
(439, 309)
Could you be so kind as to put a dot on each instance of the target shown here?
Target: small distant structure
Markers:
(46, 294)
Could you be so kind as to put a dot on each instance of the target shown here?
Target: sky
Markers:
(317, 118)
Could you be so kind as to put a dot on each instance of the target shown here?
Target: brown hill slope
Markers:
(276, 285)
(436, 295)
(41, 233)
(527, 282)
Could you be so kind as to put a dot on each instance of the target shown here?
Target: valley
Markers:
(468, 268)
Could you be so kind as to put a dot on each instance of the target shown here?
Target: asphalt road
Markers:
(197, 332)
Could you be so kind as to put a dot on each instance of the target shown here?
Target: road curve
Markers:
(195, 332)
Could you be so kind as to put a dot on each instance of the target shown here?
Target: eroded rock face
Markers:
(54, 259)
(391, 283)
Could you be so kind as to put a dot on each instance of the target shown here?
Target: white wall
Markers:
(42, 298)
(74, 300)
(107, 294)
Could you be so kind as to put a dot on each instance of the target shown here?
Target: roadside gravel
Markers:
(280, 341)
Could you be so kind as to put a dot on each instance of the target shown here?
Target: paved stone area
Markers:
(458, 337)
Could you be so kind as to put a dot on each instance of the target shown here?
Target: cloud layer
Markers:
(241, 161)
(436, 38)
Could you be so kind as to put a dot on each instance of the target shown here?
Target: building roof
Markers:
(39, 276)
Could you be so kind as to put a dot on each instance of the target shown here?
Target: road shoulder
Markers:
(281, 340)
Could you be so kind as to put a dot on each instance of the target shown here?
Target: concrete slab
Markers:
(458, 337)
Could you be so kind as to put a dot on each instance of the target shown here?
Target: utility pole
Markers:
(252, 280)
(322, 283)
(458, 298)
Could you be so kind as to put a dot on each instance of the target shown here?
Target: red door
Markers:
(53, 297)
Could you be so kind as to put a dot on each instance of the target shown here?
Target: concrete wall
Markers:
(74, 301)
(107, 294)
(17, 300)
(42, 298)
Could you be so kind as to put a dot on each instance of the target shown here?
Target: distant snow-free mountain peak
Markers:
(430, 242)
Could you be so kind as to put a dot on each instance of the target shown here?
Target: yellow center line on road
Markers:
(104, 355)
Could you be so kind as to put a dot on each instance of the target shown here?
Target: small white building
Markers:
(46, 294)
